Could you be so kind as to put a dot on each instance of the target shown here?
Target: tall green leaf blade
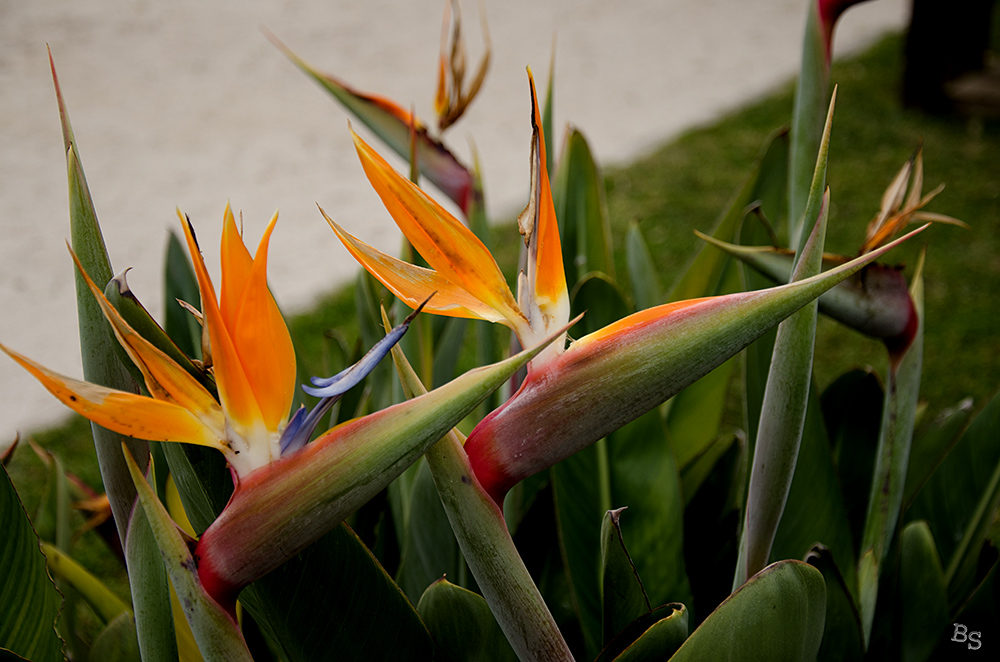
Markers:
(29, 602)
(931, 445)
(777, 615)
(891, 461)
(101, 366)
(785, 396)
(215, 630)
(814, 512)
(462, 625)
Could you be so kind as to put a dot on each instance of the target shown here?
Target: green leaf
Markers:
(486, 542)
(335, 602)
(180, 284)
(931, 445)
(659, 640)
(811, 96)
(429, 550)
(101, 599)
(814, 512)
(777, 615)
(922, 600)
(462, 625)
(786, 392)
(843, 639)
(101, 366)
(891, 460)
(215, 630)
(622, 594)
(578, 196)
(646, 288)
(950, 498)
(852, 411)
(29, 603)
(116, 642)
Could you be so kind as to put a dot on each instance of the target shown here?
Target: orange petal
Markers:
(234, 389)
(263, 343)
(550, 278)
(449, 247)
(125, 413)
(236, 262)
(164, 379)
(414, 284)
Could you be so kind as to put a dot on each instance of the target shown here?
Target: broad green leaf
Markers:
(891, 460)
(116, 642)
(949, 499)
(852, 411)
(29, 603)
(462, 625)
(429, 550)
(335, 602)
(578, 196)
(101, 366)
(922, 600)
(646, 288)
(622, 594)
(644, 477)
(700, 466)
(843, 640)
(931, 445)
(777, 615)
(215, 630)
(814, 512)
(659, 641)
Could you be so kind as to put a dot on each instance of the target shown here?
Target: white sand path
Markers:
(185, 103)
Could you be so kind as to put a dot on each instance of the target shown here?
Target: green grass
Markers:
(685, 185)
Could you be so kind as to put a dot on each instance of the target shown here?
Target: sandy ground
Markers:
(186, 104)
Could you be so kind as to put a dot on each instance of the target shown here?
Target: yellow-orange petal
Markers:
(414, 284)
(263, 343)
(125, 413)
(449, 247)
(236, 263)
(551, 293)
(164, 379)
(237, 397)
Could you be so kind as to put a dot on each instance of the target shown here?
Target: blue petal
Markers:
(301, 426)
(346, 379)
